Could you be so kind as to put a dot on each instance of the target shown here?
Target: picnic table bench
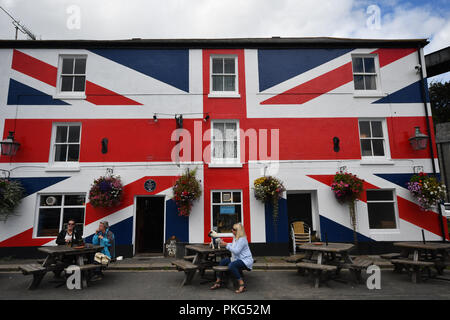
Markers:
(204, 258)
(317, 271)
(425, 256)
(331, 258)
(54, 262)
(189, 270)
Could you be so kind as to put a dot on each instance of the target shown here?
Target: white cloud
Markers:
(119, 19)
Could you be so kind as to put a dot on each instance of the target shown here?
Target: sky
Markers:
(168, 19)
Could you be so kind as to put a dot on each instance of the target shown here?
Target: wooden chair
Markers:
(300, 233)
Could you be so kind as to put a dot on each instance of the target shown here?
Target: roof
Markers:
(274, 42)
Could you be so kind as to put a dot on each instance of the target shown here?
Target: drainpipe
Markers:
(430, 141)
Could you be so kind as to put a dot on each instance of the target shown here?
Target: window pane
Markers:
(216, 197)
(378, 148)
(60, 152)
(79, 83)
(366, 149)
(217, 83)
(74, 151)
(369, 65)
(377, 195)
(229, 66)
(74, 200)
(225, 218)
(74, 133)
(364, 129)
(370, 82)
(76, 214)
(48, 224)
(359, 82)
(236, 197)
(229, 83)
(230, 149)
(357, 65)
(218, 149)
(381, 215)
(67, 66)
(377, 129)
(66, 83)
(50, 200)
(219, 131)
(80, 66)
(61, 134)
(226, 197)
(217, 65)
(230, 131)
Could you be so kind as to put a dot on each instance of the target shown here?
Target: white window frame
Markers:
(63, 164)
(224, 94)
(61, 211)
(226, 162)
(367, 92)
(224, 204)
(70, 94)
(387, 154)
(394, 201)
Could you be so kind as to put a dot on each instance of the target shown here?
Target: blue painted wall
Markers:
(176, 225)
(336, 232)
(280, 233)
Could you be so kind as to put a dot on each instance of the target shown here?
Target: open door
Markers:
(149, 225)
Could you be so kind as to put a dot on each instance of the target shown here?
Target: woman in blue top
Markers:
(104, 237)
(241, 257)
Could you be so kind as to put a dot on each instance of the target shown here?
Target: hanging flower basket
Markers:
(106, 192)
(347, 189)
(186, 190)
(428, 191)
(11, 193)
(269, 189)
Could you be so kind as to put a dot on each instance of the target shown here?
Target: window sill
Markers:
(70, 96)
(225, 165)
(62, 169)
(224, 95)
(384, 231)
(376, 162)
(369, 94)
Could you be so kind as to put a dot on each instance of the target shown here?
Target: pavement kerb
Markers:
(167, 266)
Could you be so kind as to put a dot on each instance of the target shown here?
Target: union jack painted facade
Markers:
(299, 95)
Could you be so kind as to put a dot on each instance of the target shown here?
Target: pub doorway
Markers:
(149, 233)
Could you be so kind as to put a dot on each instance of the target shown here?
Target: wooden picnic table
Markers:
(55, 262)
(205, 256)
(424, 256)
(331, 258)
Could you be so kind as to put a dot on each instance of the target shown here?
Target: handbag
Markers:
(101, 258)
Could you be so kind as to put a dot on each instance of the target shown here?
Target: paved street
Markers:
(262, 284)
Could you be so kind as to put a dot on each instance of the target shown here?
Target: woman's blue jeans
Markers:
(235, 267)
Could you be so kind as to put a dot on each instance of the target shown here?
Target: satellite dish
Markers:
(50, 201)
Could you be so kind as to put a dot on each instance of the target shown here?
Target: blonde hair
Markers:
(240, 232)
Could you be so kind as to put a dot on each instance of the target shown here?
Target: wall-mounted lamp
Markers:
(9, 146)
(155, 118)
(419, 140)
(206, 118)
(179, 120)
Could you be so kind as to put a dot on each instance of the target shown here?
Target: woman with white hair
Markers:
(241, 257)
(104, 237)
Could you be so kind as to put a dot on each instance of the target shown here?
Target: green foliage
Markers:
(186, 190)
(11, 193)
(440, 101)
